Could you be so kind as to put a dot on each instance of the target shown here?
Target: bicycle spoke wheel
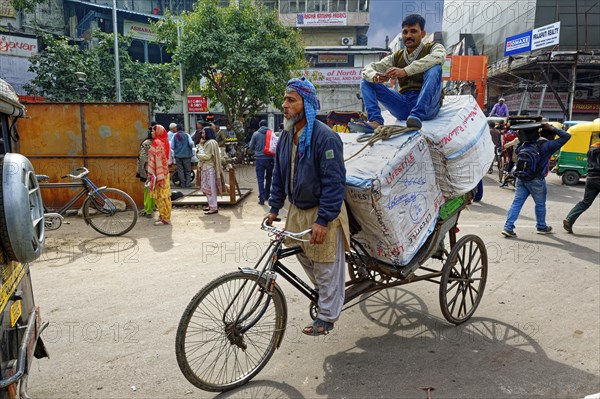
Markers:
(463, 279)
(213, 351)
(110, 212)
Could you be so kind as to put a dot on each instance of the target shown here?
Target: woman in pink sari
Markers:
(158, 174)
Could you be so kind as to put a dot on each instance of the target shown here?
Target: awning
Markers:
(119, 10)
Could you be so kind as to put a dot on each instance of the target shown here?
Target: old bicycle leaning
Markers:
(109, 211)
(233, 325)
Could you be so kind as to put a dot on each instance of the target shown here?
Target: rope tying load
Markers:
(381, 133)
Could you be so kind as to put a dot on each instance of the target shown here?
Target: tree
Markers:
(243, 52)
(25, 5)
(56, 65)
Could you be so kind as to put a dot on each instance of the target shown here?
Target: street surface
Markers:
(114, 304)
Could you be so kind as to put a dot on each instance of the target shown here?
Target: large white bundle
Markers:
(391, 195)
(460, 144)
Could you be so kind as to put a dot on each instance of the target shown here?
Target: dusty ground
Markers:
(114, 304)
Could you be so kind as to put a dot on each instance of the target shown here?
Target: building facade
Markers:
(559, 81)
(335, 34)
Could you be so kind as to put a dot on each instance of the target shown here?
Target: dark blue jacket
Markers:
(549, 147)
(318, 181)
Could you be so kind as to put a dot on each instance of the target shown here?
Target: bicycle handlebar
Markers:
(278, 231)
(79, 176)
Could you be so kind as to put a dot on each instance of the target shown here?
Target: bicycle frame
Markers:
(87, 187)
(269, 272)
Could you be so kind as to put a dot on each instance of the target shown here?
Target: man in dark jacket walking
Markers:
(592, 188)
(264, 162)
(309, 171)
(536, 187)
(182, 145)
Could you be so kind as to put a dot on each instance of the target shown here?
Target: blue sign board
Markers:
(518, 43)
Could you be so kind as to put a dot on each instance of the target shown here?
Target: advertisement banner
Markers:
(197, 104)
(322, 19)
(138, 30)
(550, 102)
(545, 36)
(518, 43)
(333, 76)
(18, 46)
(586, 107)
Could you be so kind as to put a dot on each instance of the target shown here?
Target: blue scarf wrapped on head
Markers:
(307, 91)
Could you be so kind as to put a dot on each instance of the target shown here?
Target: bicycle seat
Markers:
(41, 178)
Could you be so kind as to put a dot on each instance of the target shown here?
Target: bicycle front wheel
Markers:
(110, 212)
(229, 331)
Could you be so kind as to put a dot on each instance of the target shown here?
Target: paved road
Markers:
(114, 303)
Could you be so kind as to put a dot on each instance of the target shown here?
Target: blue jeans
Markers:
(423, 104)
(264, 172)
(537, 189)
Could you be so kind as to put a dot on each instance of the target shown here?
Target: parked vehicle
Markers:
(107, 210)
(572, 158)
(22, 235)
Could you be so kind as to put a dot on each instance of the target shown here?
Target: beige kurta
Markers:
(302, 219)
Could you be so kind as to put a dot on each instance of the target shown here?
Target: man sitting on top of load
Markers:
(418, 68)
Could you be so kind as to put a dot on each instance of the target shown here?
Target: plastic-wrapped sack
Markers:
(392, 193)
(461, 146)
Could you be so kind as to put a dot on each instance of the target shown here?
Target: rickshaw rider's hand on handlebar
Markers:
(271, 217)
(318, 234)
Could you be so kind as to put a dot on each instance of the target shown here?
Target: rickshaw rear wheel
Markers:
(570, 178)
(463, 279)
(213, 351)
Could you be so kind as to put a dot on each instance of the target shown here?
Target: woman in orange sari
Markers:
(158, 174)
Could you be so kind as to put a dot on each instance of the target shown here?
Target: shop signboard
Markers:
(321, 19)
(18, 46)
(197, 104)
(333, 76)
(139, 30)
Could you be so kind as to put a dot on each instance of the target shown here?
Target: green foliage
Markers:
(56, 65)
(242, 51)
(25, 5)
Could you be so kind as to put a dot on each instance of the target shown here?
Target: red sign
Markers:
(197, 104)
(586, 107)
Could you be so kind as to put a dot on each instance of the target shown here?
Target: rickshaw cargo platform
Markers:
(392, 193)
(460, 144)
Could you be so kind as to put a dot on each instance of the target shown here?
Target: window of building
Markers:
(353, 6)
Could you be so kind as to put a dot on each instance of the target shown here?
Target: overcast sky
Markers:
(386, 17)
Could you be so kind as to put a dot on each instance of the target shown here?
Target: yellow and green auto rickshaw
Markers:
(572, 158)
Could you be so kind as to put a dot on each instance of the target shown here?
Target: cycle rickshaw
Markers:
(232, 326)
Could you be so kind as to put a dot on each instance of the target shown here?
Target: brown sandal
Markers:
(318, 327)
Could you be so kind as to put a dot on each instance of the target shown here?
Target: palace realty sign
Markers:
(544, 36)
